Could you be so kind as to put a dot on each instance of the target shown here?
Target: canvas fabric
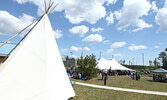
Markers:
(35, 70)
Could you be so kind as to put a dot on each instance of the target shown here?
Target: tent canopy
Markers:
(113, 64)
(159, 70)
(103, 64)
(116, 66)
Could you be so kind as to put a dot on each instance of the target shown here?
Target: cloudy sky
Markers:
(122, 28)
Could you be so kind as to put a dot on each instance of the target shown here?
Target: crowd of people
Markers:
(71, 72)
(104, 73)
(134, 75)
(113, 72)
(159, 77)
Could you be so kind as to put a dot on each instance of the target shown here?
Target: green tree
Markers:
(150, 62)
(166, 49)
(163, 58)
(87, 66)
(155, 62)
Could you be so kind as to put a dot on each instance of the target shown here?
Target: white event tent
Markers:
(35, 70)
(116, 66)
(106, 64)
(103, 64)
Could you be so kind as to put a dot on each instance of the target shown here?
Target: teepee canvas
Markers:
(35, 70)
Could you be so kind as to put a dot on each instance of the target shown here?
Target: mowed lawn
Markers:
(145, 83)
(89, 93)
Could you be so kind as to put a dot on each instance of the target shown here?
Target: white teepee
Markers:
(35, 70)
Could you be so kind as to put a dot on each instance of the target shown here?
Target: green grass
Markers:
(88, 93)
(145, 83)
(126, 82)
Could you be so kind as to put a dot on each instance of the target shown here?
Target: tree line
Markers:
(163, 58)
(87, 65)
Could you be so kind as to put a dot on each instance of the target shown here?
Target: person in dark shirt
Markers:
(105, 76)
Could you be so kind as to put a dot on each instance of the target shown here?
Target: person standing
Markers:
(79, 75)
(69, 76)
(136, 76)
(102, 74)
(133, 75)
(105, 76)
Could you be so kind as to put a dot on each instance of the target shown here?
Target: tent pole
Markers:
(49, 7)
(45, 6)
(49, 2)
(22, 39)
(53, 8)
(17, 33)
(46, 12)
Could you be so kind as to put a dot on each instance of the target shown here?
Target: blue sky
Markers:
(122, 28)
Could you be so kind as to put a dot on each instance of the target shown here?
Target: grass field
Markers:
(145, 83)
(88, 93)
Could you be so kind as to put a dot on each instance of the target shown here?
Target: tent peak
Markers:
(50, 7)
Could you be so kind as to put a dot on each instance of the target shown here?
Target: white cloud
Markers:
(39, 3)
(75, 10)
(74, 56)
(93, 38)
(75, 49)
(118, 55)
(154, 6)
(141, 24)
(58, 34)
(99, 29)
(64, 50)
(80, 30)
(84, 10)
(110, 2)
(165, 4)
(156, 47)
(161, 19)
(109, 51)
(131, 14)
(85, 49)
(10, 24)
(118, 44)
(137, 47)
(110, 19)
(106, 42)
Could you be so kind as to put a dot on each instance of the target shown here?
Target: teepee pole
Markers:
(49, 7)
(22, 39)
(45, 6)
(47, 10)
(53, 8)
(17, 33)
(49, 2)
